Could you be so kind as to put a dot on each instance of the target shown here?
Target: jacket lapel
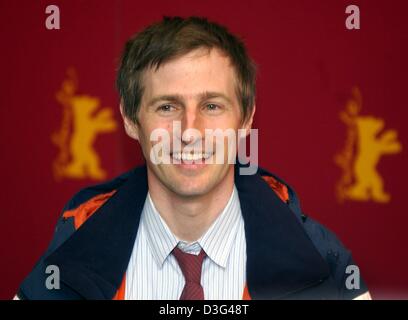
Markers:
(281, 259)
(94, 259)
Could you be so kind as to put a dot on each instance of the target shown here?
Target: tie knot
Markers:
(190, 264)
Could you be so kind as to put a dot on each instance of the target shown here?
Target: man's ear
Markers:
(248, 123)
(131, 128)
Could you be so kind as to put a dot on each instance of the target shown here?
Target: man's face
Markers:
(198, 90)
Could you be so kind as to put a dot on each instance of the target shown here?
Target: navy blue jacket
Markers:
(289, 255)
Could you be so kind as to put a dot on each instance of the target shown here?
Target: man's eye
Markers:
(212, 107)
(165, 108)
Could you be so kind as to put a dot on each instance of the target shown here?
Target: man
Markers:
(189, 228)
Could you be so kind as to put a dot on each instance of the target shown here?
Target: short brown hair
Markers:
(176, 36)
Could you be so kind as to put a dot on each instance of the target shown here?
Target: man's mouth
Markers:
(191, 157)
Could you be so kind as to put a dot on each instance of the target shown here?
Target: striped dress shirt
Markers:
(153, 272)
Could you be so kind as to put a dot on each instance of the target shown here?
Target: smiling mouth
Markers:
(191, 157)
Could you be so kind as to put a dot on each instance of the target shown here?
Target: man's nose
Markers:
(191, 126)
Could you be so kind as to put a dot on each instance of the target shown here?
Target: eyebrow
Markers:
(179, 98)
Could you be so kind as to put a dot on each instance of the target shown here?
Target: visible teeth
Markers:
(186, 156)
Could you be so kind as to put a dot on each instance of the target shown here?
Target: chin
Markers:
(189, 183)
(190, 188)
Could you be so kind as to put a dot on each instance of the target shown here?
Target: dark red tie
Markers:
(191, 265)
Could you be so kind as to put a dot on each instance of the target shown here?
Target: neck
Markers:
(189, 217)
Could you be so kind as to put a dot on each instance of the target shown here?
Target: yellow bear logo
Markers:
(83, 120)
(366, 143)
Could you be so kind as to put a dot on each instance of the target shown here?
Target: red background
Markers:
(308, 62)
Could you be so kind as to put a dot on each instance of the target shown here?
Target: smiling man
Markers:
(192, 227)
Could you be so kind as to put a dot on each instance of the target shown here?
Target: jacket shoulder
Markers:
(336, 255)
(76, 211)
(81, 206)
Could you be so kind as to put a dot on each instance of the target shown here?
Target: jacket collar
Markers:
(281, 259)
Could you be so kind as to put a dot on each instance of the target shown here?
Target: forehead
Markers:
(195, 72)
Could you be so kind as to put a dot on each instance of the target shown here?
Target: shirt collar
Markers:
(217, 241)
(159, 237)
